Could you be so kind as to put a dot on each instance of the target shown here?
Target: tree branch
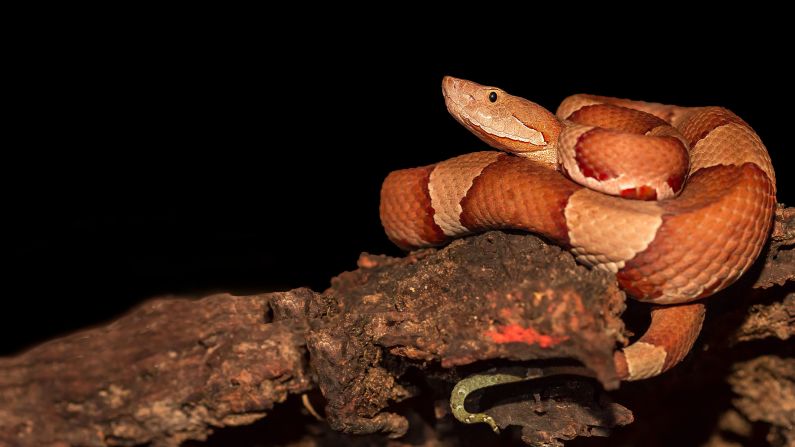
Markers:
(396, 328)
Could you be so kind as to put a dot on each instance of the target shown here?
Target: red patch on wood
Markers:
(514, 333)
(640, 193)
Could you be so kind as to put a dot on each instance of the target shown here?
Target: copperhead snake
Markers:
(586, 178)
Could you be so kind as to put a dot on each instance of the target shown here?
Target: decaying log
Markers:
(765, 388)
(494, 296)
(779, 266)
(168, 371)
(392, 336)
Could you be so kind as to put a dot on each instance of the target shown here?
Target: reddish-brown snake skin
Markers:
(711, 218)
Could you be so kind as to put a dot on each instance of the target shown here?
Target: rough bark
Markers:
(168, 371)
(494, 296)
(765, 389)
(392, 338)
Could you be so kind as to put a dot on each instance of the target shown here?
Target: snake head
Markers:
(507, 122)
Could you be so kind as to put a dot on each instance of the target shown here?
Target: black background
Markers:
(144, 162)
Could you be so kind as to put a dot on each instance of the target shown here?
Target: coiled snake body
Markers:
(690, 243)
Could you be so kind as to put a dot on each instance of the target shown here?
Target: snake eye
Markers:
(493, 96)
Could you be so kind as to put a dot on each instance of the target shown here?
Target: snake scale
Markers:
(676, 201)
